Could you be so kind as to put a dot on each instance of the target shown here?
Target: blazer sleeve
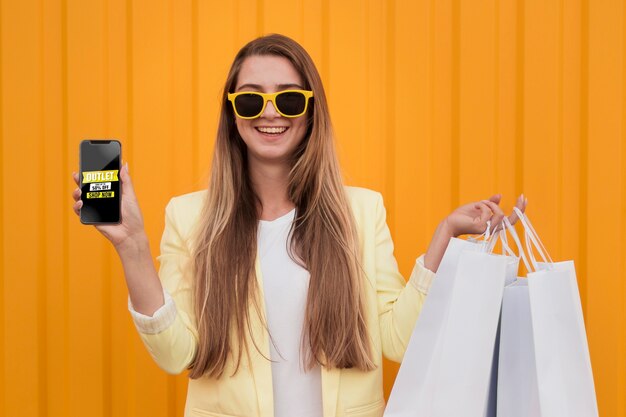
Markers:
(399, 302)
(173, 347)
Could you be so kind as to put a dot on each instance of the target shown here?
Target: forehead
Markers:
(268, 71)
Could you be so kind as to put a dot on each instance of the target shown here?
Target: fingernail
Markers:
(126, 167)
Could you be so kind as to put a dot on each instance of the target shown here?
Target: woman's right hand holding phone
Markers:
(129, 233)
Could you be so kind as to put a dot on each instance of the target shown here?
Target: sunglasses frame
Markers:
(270, 97)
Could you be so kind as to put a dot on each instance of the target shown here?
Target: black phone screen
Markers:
(99, 181)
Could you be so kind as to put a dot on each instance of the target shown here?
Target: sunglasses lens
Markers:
(291, 103)
(249, 105)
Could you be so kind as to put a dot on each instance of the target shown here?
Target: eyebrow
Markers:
(278, 86)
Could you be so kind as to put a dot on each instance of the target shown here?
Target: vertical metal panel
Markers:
(3, 270)
(435, 104)
(3, 340)
(25, 372)
(506, 78)
(620, 364)
(346, 98)
(56, 212)
(541, 114)
(409, 160)
(438, 177)
(217, 47)
(571, 134)
(477, 100)
(605, 302)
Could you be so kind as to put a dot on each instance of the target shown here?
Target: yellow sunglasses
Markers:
(289, 103)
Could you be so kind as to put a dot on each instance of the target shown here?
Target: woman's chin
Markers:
(270, 156)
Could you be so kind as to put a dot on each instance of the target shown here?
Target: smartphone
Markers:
(101, 189)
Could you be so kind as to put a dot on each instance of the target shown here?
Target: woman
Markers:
(277, 286)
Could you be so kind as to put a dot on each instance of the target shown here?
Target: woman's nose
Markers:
(270, 110)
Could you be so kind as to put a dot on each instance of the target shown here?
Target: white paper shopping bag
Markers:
(447, 367)
(564, 375)
(544, 365)
(412, 379)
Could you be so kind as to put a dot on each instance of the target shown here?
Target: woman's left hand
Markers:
(472, 218)
(468, 219)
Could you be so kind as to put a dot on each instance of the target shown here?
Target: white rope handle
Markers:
(511, 229)
(506, 249)
(532, 240)
(502, 236)
(487, 241)
(533, 236)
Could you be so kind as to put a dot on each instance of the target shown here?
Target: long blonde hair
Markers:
(323, 238)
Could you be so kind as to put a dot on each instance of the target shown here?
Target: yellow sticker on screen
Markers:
(101, 194)
(100, 176)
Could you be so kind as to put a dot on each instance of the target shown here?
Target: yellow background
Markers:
(435, 103)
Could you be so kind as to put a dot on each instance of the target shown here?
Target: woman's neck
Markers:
(270, 183)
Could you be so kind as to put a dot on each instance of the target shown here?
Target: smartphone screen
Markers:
(99, 181)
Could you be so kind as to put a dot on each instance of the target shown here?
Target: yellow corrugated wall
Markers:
(434, 102)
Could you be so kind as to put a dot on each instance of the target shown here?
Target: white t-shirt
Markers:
(285, 288)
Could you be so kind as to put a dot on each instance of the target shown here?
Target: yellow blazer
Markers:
(392, 307)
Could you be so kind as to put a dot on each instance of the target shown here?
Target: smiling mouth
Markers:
(275, 131)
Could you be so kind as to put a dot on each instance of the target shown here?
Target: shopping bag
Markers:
(411, 384)
(447, 367)
(544, 364)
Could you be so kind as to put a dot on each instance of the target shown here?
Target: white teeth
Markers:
(271, 129)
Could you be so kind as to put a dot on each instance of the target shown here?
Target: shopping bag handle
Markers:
(507, 226)
(506, 249)
(532, 240)
(486, 239)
